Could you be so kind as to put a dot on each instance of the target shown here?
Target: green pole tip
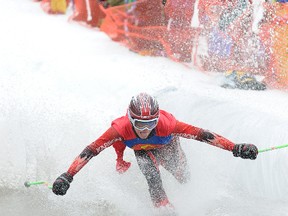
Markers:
(26, 184)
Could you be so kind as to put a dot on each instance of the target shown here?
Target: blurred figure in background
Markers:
(55, 6)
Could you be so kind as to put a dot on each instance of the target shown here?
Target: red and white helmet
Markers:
(143, 107)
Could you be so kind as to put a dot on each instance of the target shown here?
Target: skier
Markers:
(153, 134)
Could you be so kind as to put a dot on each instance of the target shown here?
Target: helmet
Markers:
(144, 107)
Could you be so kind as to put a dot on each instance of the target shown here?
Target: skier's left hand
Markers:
(122, 166)
(245, 151)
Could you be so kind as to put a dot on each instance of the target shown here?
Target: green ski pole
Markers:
(28, 184)
(273, 148)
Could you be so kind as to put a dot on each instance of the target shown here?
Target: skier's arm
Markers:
(243, 150)
(121, 165)
(62, 183)
(119, 149)
(191, 132)
(106, 140)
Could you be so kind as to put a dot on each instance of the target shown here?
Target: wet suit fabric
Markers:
(162, 147)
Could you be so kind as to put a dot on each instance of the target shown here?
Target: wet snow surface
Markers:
(61, 85)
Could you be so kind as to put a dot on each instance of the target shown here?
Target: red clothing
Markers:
(83, 11)
(180, 11)
(121, 134)
(161, 135)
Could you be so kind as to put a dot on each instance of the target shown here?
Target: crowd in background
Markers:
(219, 35)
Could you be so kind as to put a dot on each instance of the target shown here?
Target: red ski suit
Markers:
(161, 147)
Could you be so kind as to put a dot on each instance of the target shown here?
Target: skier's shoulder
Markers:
(120, 122)
(123, 126)
(166, 115)
(166, 124)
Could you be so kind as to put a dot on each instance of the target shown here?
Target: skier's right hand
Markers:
(62, 184)
(122, 166)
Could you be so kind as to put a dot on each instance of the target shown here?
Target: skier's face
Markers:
(143, 134)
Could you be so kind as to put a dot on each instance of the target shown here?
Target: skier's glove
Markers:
(122, 166)
(245, 151)
(62, 184)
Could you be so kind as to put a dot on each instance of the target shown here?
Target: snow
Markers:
(62, 84)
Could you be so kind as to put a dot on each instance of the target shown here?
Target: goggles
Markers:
(143, 124)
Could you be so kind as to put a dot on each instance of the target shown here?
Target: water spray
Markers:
(28, 184)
